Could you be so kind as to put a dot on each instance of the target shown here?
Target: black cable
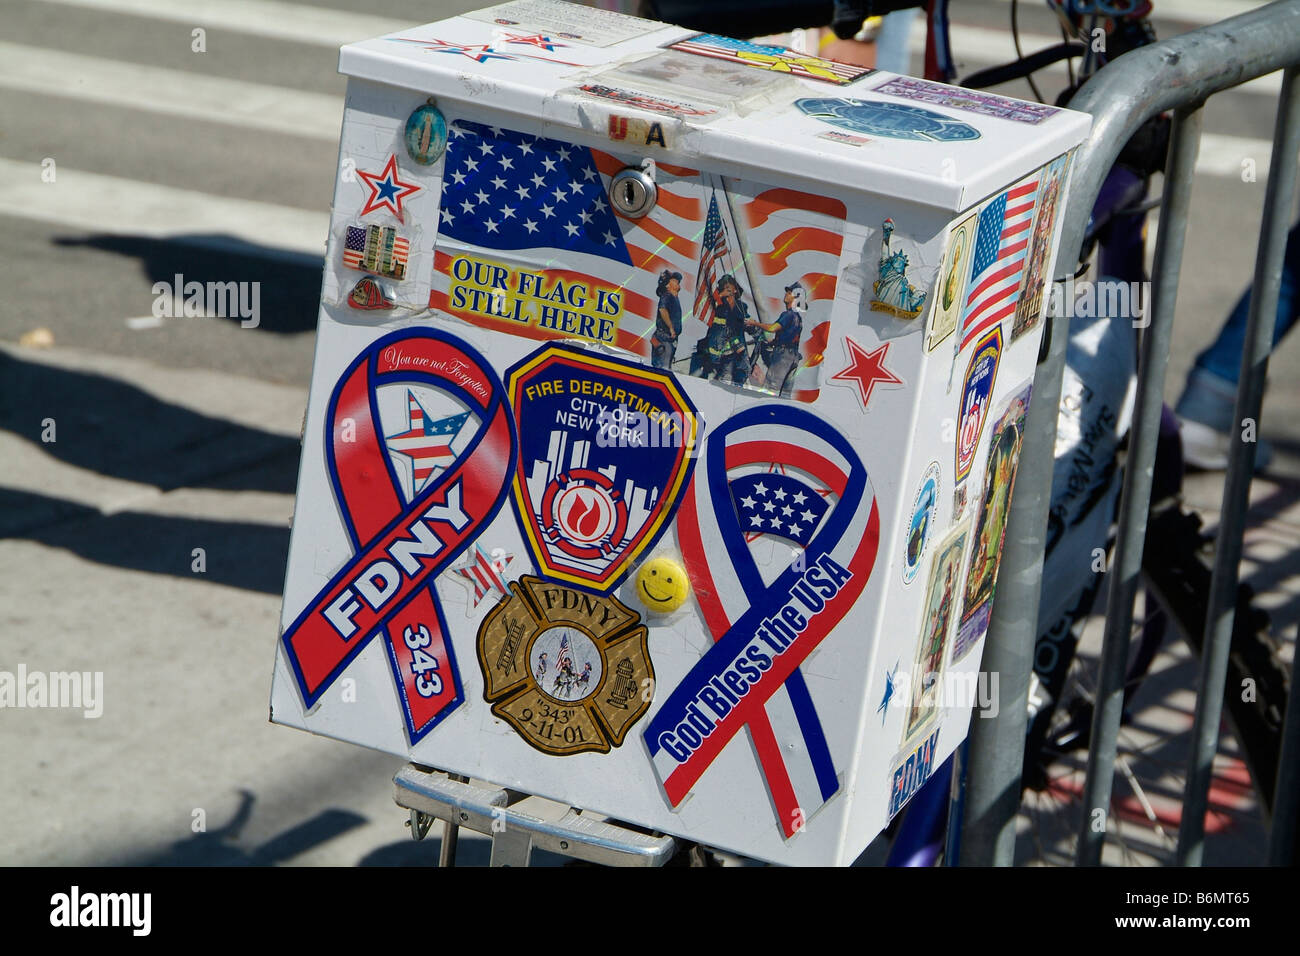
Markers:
(1022, 68)
(1020, 55)
(1069, 64)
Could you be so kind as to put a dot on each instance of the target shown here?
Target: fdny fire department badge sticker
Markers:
(606, 454)
(976, 392)
(565, 668)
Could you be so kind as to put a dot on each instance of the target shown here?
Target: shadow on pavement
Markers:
(111, 427)
(289, 283)
(239, 554)
(215, 847)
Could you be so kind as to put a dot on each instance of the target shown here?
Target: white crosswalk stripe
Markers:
(109, 204)
(267, 18)
(170, 92)
(1227, 155)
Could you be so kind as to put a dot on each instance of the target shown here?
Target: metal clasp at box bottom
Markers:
(503, 815)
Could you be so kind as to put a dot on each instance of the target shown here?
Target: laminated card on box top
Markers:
(667, 403)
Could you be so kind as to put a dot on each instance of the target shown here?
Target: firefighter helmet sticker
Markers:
(606, 453)
(568, 670)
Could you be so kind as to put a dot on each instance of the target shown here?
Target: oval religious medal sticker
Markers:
(565, 668)
(605, 455)
(426, 135)
(922, 520)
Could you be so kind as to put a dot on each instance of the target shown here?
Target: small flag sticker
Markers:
(378, 250)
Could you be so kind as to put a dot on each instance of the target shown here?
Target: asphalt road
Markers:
(181, 433)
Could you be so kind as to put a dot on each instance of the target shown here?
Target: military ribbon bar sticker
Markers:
(414, 490)
(772, 471)
(606, 449)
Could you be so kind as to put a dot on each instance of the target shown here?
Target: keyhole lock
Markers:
(633, 192)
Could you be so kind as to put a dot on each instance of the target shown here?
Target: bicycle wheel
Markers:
(1142, 821)
(1177, 569)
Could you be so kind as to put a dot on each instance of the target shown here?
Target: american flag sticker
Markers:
(484, 573)
(422, 435)
(775, 59)
(723, 279)
(998, 260)
(515, 205)
(791, 243)
(379, 250)
(1029, 307)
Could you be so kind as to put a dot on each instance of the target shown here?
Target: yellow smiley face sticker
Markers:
(661, 585)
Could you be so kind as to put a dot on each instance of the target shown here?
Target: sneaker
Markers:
(1205, 422)
(1207, 448)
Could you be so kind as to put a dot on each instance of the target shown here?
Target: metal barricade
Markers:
(1177, 74)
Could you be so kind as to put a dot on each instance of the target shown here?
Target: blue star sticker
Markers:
(883, 709)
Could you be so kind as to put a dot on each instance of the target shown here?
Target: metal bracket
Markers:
(503, 815)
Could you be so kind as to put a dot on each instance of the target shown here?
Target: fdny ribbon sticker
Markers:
(976, 390)
(419, 452)
(606, 450)
(769, 472)
(568, 670)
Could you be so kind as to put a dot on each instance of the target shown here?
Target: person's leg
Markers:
(1209, 397)
(782, 361)
(659, 355)
(1223, 358)
(892, 52)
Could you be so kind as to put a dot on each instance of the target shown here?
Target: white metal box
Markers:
(666, 407)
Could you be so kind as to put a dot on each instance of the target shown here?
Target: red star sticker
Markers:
(478, 52)
(386, 190)
(540, 40)
(866, 370)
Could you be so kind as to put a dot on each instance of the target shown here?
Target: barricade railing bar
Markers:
(1178, 74)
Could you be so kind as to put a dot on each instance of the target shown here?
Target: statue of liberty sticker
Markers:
(893, 291)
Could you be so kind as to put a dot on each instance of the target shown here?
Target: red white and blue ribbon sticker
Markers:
(764, 626)
(409, 511)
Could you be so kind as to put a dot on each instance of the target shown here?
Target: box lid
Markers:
(724, 103)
